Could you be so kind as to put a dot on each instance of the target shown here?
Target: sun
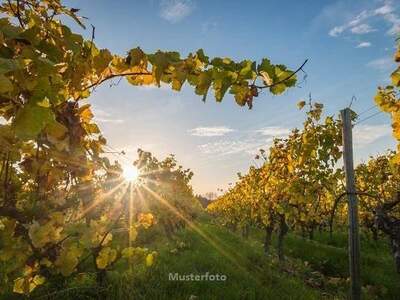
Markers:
(130, 173)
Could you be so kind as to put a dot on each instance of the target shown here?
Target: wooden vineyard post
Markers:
(354, 239)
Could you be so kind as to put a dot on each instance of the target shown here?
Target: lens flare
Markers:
(130, 173)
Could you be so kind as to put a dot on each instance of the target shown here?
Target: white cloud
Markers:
(249, 143)
(336, 31)
(176, 10)
(106, 120)
(229, 147)
(364, 45)
(365, 135)
(362, 29)
(102, 116)
(210, 131)
(353, 23)
(358, 25)
(382, 64)
(394, 20)
(359, 18)
(274, 131)
(384, 10)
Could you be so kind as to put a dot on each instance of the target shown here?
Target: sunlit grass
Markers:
(212, 242)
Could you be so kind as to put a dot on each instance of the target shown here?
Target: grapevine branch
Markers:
(390, 205)
(111, 76)
(95, 251)
(385, 206)
(11, 212)
(92, 38)
(284, 79)
(17, 13)
(338, 198)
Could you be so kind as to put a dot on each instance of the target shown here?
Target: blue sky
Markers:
(349, 44)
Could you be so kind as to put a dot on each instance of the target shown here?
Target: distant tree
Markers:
(211, 196)
(204, 201)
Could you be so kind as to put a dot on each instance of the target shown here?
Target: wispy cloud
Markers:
(274, 131)
(358, 23)
(394, 20)
(387, 8)
(230, 147)
(336, 31)
(382, 64)
(210, 131)
(365, 135)
(248, 143)
(353, 23)
(364, 45)
(108, 120)
(176, 10)
(362, 29)
(102, 116)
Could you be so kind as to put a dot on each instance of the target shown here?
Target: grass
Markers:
(250, 275)
(330, 257)
(313, 269)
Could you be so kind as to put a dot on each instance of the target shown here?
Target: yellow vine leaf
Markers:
(25, 285)
(68, 259)
(146, 220)
(43, 234)
(150, 259)
(301, 104)
(106, 256)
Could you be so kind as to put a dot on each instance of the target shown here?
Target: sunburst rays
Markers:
(136, 201)
(196, 229)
